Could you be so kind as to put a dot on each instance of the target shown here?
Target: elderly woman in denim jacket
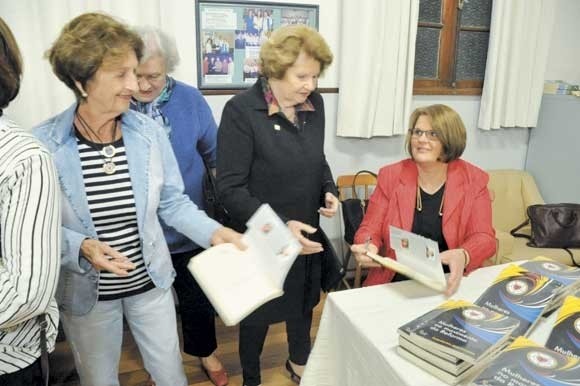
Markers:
(118, 176)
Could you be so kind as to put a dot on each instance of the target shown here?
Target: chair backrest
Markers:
(512, 191)
(364, 182)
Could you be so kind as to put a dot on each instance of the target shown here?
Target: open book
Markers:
(238, 282)
(417, 258)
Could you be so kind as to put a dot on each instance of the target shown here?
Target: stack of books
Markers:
(568, 276)
(565, 335)
(458, 339)
(448, 340)
(558, 87)
(523, 295)
(525, 362)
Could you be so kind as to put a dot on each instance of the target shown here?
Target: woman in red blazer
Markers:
(434, 194)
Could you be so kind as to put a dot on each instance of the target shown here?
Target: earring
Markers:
(84, 94)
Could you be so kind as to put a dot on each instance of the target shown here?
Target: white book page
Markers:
(234, 284)
(238, 282)
(418, 253)
(275, 246)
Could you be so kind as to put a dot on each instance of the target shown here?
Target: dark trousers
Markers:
(28, 376)
(252, 339)
(197, 314)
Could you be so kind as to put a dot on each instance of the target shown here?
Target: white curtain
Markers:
(377, 57)
(37, 23)
(516, 63)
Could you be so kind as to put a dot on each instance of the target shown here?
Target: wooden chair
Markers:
(347, 189)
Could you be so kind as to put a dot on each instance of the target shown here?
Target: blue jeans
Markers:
(96, 338)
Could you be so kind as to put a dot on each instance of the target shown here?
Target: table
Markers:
(357, 337)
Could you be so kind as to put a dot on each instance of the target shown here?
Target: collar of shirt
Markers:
(274, 107)
(153, 108)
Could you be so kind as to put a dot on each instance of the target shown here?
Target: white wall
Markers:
(564, 59)
(496, 149)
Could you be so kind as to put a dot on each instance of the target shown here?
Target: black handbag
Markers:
(332, 269)
(213, 206)
(353, 210)
(552, 226)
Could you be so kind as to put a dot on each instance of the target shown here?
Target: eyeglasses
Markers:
(150, 78)
(431, 135)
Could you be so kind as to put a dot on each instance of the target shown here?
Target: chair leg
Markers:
(345, 283)
(347, 259)
(357, 275)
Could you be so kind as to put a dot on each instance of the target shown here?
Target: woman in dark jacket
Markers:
(271, 150)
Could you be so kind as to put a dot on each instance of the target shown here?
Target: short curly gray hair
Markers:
(157, 42)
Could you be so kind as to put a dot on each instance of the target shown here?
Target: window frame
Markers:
(448, 41)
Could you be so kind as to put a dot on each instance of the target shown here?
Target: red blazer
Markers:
(466, 212)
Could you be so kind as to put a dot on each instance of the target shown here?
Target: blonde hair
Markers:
(280, 51)
(85, 43)
(447, 124)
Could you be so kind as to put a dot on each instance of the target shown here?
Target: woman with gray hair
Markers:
(189, 124)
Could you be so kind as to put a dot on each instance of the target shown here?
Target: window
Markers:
(451, 46)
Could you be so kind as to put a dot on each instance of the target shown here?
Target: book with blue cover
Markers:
(565, 335)
(565, 274)
(521, 294)
(463, 330)
(525, 363)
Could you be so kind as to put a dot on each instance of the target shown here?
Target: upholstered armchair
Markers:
(512, 191)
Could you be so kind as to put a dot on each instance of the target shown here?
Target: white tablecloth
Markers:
(357, 337)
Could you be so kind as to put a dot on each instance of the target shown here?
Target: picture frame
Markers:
(229, 35)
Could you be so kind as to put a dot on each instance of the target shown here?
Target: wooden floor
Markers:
(132, 373)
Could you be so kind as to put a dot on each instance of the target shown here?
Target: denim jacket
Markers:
(158, 191)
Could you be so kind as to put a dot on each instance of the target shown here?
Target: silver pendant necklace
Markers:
(108, 151)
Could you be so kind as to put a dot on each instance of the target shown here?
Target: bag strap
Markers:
(570, 223)
(210, 176)
(572, 257)
(44, 349)
(354, 195)
(514, 233)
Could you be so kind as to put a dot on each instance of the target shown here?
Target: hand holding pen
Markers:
(360, 250)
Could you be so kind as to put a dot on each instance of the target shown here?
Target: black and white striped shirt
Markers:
(30, 252)
(112, 207)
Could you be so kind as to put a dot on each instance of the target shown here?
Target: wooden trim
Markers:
(429, 83)
(474, 29)
(328, 90)
(325, 90)
(221, 92)
(469, 84)
(430, 25)
(446, 91)
(448, 42)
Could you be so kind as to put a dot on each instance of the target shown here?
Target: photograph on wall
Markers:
(230, 34)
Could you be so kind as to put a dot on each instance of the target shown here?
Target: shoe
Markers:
(293, 376)
(218, 377)
(149, 381)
